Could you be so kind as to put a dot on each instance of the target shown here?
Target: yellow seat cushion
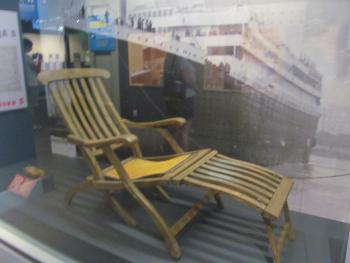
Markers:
(139, 168)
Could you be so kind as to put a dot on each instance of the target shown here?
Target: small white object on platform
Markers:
(61, 146)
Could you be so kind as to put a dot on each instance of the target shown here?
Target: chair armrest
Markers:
(160, 127)
(127, 139)
(177, 122)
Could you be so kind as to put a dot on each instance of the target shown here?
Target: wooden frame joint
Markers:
(190, 214)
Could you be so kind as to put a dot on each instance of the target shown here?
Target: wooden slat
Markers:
(252, 168)
(102, 107)
(251, 202)
(92, 104)
(86, 109)
(240, 176)
(194, 156)
(271, 184)
(67, 104)
(279, 198)
(190, 214)
(166, 157)
(226, 177)
(217, 181)
(79, 110)
(110, 106)
(123, 129)
(62, 109)
(190, 165)
(251, 165)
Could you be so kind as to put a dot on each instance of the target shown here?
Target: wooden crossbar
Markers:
(190, 214)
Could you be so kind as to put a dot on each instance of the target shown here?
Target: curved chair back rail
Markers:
(46, 77)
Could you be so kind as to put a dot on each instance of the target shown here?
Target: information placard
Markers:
(28, 9)
(12, 83)
(102, 34)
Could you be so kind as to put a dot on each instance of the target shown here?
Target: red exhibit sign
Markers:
(22, 185)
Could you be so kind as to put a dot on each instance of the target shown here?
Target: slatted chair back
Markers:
(85, 106)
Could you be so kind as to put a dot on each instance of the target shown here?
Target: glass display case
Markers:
(117, 116)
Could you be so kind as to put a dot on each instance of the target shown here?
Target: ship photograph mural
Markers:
(262, 81)
(254, 97)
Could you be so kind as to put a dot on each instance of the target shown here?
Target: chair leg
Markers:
(272, 240)
(163, 228)
(79, 187)
(219, 202)
(290, 232)
(120, 210)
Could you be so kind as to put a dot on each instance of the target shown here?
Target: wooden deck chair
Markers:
(97, 128)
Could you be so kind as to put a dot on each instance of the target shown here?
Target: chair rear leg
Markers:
(219, 202)
(290, 233)
(272, 240)
(163, 228)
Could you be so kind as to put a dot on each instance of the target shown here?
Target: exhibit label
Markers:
(12, 83)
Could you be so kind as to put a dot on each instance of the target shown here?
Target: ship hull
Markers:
(252, 126)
